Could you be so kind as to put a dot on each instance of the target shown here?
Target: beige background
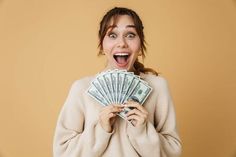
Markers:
(45, 45)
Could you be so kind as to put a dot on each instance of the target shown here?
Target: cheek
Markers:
(136, 46)
(107, 49)
(107, 44)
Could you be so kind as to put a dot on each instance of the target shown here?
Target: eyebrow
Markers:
(113, 26)
(133, 26)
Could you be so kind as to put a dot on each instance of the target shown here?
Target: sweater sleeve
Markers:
(161, 138)
(71, 139)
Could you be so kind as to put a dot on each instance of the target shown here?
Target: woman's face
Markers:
(121, 44)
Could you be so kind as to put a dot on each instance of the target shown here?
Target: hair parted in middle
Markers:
(112, 16)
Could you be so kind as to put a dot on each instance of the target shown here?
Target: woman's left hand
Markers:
(138, 115)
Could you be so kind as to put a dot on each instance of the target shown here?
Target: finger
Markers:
(106, 117)
(134, 117)
(117, 105)
(141, 115)
(108, 114)
(135, 111)
(115, 110)
(113, 105)
(136, 105)
(111, 115)
(112, 108)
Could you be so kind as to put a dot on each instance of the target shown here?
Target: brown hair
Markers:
(104, 25)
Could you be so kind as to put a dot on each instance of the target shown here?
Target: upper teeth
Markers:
(121, 54)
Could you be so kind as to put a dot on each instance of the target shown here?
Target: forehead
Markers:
(121, 22)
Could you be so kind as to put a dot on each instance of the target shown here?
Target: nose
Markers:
(122, 42)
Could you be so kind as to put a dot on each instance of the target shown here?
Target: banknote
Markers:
(117, 87)
(93, 92)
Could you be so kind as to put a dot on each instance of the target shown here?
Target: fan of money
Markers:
(118, 86)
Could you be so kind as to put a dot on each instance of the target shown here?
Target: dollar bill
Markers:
(105, 87)
(114, 78)
(141, 92)
(128, 79)
(131, 88)
(121, 76)
(93, 92)
(118, 86)
(101, 89)
(109, 84)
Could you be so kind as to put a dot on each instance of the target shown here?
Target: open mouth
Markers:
(121, 58)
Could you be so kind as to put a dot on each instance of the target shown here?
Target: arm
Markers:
(71, 138)
(160, 139)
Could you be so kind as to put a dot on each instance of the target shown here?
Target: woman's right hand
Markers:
(108, 115)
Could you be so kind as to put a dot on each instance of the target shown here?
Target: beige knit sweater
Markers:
(78, 133)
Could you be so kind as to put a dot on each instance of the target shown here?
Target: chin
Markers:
(128, 68)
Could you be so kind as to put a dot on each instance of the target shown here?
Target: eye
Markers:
(130, 35)
(112, 35)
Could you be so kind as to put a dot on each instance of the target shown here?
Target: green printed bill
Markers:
(117, 87)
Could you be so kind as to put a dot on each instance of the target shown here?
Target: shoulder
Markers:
(158, 81)
(81, 84)
(159, 85)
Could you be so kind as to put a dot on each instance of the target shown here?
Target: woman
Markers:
(87, 129)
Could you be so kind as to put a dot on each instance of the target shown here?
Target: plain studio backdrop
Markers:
(45, 45)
